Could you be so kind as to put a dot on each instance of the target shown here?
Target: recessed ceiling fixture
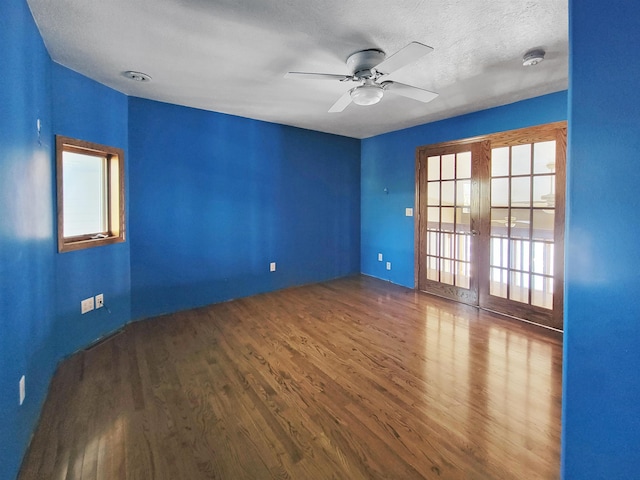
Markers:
(533, 57)
(137, 76)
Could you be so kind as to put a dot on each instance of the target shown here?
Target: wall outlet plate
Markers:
(100, 300)
(379, 257)
(86, 305)
(272, 267)
(388, 265)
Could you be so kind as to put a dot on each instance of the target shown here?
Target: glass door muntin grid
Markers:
(522, 222)
(448, 243)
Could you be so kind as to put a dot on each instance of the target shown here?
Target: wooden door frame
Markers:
(554, 130)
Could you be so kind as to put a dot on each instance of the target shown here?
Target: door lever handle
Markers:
(474, 232)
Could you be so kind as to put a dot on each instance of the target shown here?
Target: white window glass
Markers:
(84, 194)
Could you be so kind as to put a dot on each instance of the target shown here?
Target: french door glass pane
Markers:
(521, 191)
(463, 193)
(463, 165)
(447, 246)
(448, 167)
(448, 193)
(543, 191)
(432, 268)
(433, 168)
(447, 216)
(500, 162)
(499, 256)
(542, 258)
(499, 192)
(432, 244)
(544, 157)
(463, 248)
(520, 222)
(433, 196)
(498, 285)
(446, 271)
(521, 160)
(433, 218)
(542, 225)
(462, 274)
(500, 222)
(519, 287)
(519, 255)
(542, 291)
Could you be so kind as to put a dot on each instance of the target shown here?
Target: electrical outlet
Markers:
(86, 305)
(272, 267)
(388, 265)
(100, 300)
(379, 257)
(22, 389)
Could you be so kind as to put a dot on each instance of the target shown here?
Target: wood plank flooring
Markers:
(350, 379)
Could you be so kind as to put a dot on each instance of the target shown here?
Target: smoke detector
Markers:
(533, 57)
(137, 76)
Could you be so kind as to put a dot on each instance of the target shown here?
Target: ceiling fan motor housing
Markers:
(361, 63)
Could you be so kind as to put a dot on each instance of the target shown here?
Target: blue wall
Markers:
(27, 234)
(255, 213)
(40, 290)
(388, 162)
(601, 397)
(87, 110)
(235, 194)
(216, 198)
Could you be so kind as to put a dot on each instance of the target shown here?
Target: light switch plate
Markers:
(408, 212)
(272, 267)
(379, 257)
(22, 389)
(86, 305)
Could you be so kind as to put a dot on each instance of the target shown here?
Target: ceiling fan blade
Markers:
(410, 92)
(342, 103)
(402, 57)
(316, 76)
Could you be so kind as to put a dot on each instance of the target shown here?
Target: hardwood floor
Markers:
(350, 379)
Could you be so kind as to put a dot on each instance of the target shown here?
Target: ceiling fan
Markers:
(370, 70)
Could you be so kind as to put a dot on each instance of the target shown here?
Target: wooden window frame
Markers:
(115, 232)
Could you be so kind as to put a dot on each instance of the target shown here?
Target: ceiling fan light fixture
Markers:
(367, 94)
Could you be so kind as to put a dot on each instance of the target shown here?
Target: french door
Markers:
(490, 222)
(449, 219)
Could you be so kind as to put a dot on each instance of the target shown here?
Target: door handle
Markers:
(474, 232)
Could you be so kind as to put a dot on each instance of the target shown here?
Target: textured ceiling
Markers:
(230, 56)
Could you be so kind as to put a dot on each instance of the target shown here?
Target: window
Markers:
(90, 181)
